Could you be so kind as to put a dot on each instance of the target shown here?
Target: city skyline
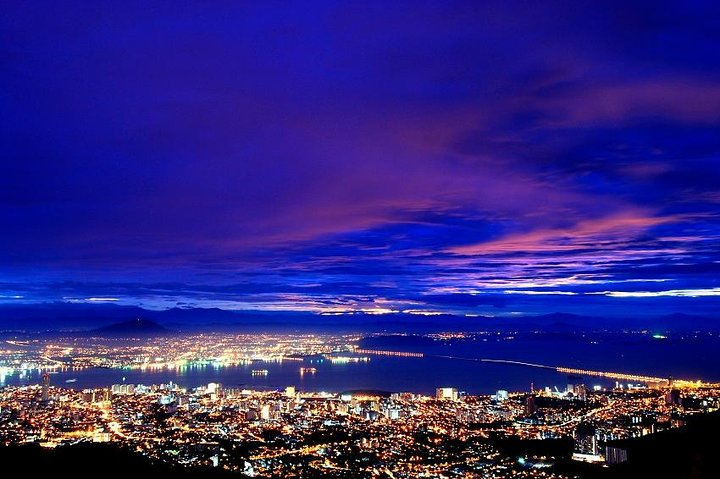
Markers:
(368, 240)
(494, 158)
(198, 404)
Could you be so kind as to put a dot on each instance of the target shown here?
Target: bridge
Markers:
(612, 375)
(560, 369)
(378, 352)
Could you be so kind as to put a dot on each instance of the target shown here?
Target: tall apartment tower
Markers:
(45, 387)
(530, 407)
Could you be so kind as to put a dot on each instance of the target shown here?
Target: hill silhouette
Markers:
(97, 459)
(135, 327)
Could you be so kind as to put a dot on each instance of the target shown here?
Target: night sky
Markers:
(475, 158)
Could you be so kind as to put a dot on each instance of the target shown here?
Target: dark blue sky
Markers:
(467, 157)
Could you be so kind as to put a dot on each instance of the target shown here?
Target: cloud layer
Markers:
(472, 158)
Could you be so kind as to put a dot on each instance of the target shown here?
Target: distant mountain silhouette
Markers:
(687, 321)
(63, 318)
(137, 326)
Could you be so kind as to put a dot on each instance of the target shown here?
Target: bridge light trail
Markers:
(560, 369)
(378, 352)
(612, 375)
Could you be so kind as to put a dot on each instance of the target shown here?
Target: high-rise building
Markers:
(580, 391)
(392, 413)
(123, 389)
(586, 441)
(88, 395)
(290, 392)
(265, 412)
(501, 395)
(615, 455)
(446, 394)
(577, 391)
(672, 397)
(530, 407)
(45, 387)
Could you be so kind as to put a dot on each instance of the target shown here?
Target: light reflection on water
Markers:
(640, 354)
(390, 374)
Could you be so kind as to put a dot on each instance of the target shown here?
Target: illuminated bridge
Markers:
(560, 369)
(583, 372)
(401, 354)
(610, 374)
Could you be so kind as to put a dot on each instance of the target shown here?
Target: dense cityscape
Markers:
(288, 432)
(165, 351)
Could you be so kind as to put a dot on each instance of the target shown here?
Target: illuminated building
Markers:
(580, 391)
(446, 394)
(530, 407)
(672, 397)
(586, 439)
(265, 412)
(45, 396)
(615, 455)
